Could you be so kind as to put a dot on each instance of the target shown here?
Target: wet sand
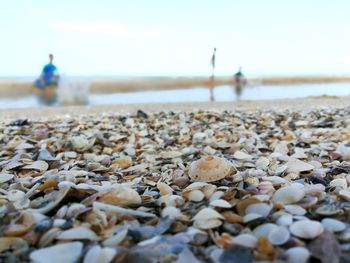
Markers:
(278, 105)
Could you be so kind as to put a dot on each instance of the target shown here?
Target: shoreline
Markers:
(18, 88)
(308, 103)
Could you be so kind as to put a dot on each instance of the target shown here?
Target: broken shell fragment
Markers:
(209, 169)
(67, 252)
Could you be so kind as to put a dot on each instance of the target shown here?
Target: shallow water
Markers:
(200, 94)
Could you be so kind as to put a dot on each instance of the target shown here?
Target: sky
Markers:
(175, 38)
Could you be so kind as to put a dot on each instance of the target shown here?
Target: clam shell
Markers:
(78, 233)
(209, 169)
(345, 194)
(40, 166)
(5, 177)
(207, 223)
(288, 195)
(220, 203)
(333, 225)
(13, 246)
(207, 213)
(307, 229)
(195, 196)
(99, 255)
(68, 253)
(164, 189)
(297, 255)
(246, 240)
(171, 211)
(261, 209)
(297, 166)
(278, 235)
(122, 196)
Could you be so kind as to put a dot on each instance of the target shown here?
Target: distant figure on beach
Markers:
(49, 75)
(212, 77)
(47, 83)
(239, 81)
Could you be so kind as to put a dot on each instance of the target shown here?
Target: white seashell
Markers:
(170, 200)
(262, 163)
(246, 240)
(279, 235)
(288, 195)
(116, 239)
(40, 166)
(68, 253)
(314, 189)
(339, 183)
(250, 217)
(307, 229)
(344, 151)
(207, 224)
(220, 203)
(15, 195)
(333, 225)
(275, 180)
(345, 194)
(216, 195)
(99, 255)
(297, 166)
(78, 233)
(164, 189)
(74, 210)
(5, 177)
(285, 220)
(207, 213)
(208, 190)
(263, 230)
(171, 211)
(295, 210)
(261, 209)
(122, 195)
(239, 155)
(24, 146)
(195, 186)
(297, 255)
(170, 154)
(195, 196)
(199, 137)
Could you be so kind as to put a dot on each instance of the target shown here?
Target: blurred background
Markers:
(115, 52)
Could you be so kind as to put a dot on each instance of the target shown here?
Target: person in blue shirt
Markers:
(49, 75)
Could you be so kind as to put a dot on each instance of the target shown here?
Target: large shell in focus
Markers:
(209, 169)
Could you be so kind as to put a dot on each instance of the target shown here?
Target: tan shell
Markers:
(209, 169)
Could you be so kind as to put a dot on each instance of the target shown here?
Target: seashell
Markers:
(339, 183)
(121, 196)
(70, 155)
(13, 246)
(344, 151)
(82, 144)
(170, 154)
(195, 196)
(275, 180)
(121, 210)
(307, 229)
(216, 195)
(243, 204)
(209, 169)
(170, 200)
(297, 255)
(164, 189)
(209, 190)
(116, 239)
(239, 155)
(220, 203)
(21, 227)
(5, 177)
(328, 210)
(195, 186)
(297, 166)
(78, 233)
(333, 225)
(262, 163)
(263, 230)
(207, 223)
(99, 255)
(314, 189)
(24, 146)
(171, 211)
(278, 235)
(40, 166)
(345, 194)
(251, 217)
(246, 240)
(48, 237)
(261, 209)
(288, 195)
(207, 213)
(295, 210)
(74, 210)
(123, 162)
(67, 252)
(285, 220)
(197, 236)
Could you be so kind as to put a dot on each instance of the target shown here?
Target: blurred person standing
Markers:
(239, 81)
(212, 77)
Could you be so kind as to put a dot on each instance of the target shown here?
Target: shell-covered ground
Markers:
(184, 186)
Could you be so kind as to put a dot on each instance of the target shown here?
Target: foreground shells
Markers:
(209, 169)
(194, 186)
